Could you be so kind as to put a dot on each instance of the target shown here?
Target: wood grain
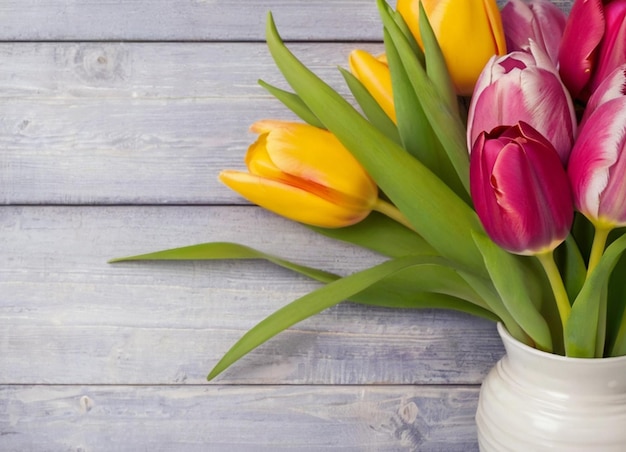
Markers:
(241, 418)
(191, 20)
(83, 122)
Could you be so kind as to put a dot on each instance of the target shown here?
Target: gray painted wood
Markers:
(238, 418)
(167, 20)
(81, 119)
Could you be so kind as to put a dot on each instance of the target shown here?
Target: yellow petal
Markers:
(374, 73)
(315, 155)
(466, 36)
(291, 202)
(409, 10)
(469, 32)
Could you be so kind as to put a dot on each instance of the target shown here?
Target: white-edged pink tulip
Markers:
(538, 20)
(520, 190)
(597, 166)
(523, 86)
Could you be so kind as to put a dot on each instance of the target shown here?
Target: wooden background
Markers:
(115, 118)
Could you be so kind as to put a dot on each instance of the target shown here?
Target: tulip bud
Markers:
(374, 73)
(523, 86)
(520, 190)
(538, 20)
(593, 44)
(597, 166)
(305, 174)
(469, 32)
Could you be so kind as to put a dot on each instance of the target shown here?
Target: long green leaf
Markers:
(434, 276)
(439, 216)
(616, 309)
(445, 123)
(311, 304)
(227, 250)
(417, 135)
(436, 67)
(424, 300)
(294, 103)
(432, 286)
(381, 234)
(370, 107)
(509, 280)
(582, 327)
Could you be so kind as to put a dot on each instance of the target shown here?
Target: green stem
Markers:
(597, 248)
(388, 209)
(558, 288)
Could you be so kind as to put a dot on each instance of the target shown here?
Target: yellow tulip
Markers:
(374, 73)
(305, 174)
(469, 33)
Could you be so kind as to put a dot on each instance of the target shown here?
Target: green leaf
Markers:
(508, 277)
(226, 250)
(417, 135)
(370, 107)
(428, 286)
(436, 67)
(294, 103)
(424, 300)
(572, 266)
(423, 198)
(445, 123)
(311, 304)
(381, 234)
(582, 327)
(616, 309)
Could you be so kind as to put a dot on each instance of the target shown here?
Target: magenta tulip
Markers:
(538, 20)
(593, 45)
(520, 189)
(523, 86)
(597, 167)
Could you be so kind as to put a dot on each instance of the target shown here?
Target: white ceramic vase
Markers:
(533, 401)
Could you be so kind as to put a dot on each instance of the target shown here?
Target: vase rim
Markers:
(509, 339)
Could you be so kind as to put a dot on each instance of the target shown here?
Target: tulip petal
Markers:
(291, 202)
(316, 156)
(454, 25)
(540, 20)
(525, 88)
(613, 87)
(597, 167)
(374, 74)
(612, 49)
(577, 47)
(520, 190)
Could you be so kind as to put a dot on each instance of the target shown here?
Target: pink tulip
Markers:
(539, 20)
(597, 166)
(523, 86)
(593, 45)
(520, 189)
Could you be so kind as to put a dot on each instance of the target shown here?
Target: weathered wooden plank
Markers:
(201, 418)
(67, 317)
(157, 69)
(165, 20)
(82, 123)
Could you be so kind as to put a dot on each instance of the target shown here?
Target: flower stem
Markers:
(392, 212)
(597, 248)
(558, 288)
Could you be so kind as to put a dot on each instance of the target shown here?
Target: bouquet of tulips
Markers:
(486, 159)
